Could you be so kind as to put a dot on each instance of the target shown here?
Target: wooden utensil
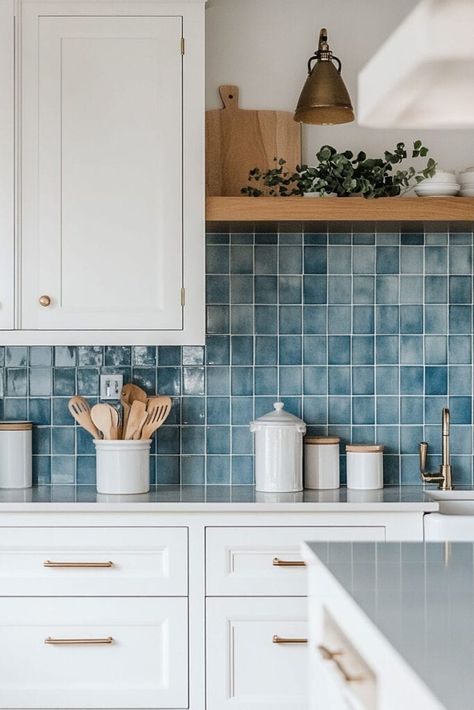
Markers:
(136, 420)
(81, 411)
(130, 393)
(238, 140)
(158, 410)
(106, 420)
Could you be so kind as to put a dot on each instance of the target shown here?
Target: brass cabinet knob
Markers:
(44, 301)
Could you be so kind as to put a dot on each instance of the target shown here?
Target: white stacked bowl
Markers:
(442, 184)
(466, 180)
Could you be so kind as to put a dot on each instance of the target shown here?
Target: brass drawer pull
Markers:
(334, 657)
(73, 642)
(280, 639)
(82, 565)
(288, 563)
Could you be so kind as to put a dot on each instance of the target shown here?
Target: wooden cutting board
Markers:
(238, 140)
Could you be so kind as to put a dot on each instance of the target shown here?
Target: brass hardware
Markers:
(44, 301)
(183, 45)
(183, 296)
(282, 640)
(82, 565)
(334, 656)
(288, 563)
(324, 98)
(445, 475)
(73, 642)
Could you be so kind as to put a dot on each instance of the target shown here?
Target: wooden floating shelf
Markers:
(339, 209)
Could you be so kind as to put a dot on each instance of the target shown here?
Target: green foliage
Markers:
(343, 174)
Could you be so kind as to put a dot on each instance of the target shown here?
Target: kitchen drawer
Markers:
(138, 660)
(245, 667)
(93, 561)
(267, 561)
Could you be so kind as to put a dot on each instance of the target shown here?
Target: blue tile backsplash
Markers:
(366, 336)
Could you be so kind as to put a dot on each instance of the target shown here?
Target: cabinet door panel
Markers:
(245, 668)
(7, 138)
(102, 172)
(144, 666)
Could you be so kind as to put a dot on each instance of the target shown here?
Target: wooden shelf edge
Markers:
(339, 209)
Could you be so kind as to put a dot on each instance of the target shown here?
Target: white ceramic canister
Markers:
(123, 467)
(364, 466)
(15, 454)
(278, 451)
(321, 462)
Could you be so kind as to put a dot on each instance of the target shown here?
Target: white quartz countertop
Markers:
(215, 498)
(421, 598)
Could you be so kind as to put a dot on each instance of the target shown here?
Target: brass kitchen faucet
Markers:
(444, 476)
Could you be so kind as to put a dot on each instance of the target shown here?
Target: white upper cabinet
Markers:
(7, 172)
(112, 203)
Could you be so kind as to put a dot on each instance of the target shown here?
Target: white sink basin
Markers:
(456, 502)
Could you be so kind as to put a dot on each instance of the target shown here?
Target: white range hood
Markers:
(423, 75)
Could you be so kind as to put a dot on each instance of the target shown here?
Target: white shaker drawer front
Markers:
(93, 561)
(267, 561)
(93, 653)
(257, 654)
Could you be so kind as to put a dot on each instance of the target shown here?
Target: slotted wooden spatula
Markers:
(158, 410)
(81, 411)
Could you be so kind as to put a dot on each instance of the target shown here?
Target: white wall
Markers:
(263, 46)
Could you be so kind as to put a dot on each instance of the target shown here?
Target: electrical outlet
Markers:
(111, 386)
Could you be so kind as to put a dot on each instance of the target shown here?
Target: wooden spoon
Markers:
(135, 420)
(81, 411)
(106, 420)
(130, 394)
(158, 410)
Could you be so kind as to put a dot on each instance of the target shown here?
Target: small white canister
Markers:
(321, 462)
(364, 466)
(278, 451)
(15, 454)
(123, 467)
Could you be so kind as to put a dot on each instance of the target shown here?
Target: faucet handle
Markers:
(423, 456)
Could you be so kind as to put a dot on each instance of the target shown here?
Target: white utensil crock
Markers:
(123, 467)
(15, 455)
(278, 451)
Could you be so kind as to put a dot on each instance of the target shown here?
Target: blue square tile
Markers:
(16, 356)
(411, 349)
(411, 319)
(433, 407)
(217, 349)
(265, 289)
(339, 238)
(193, 470)
(61, 413)
(40, 381)
(411, 289)
(66, 356)
(411, 260)
(363, 289)
(63, 470)
(436, 289)
(315, 380)
(387, 318)
(42, 440)
(363, 410)
(241, 289)
(118, 355)
(193, 380)
(266, 238)
(15, 408)
(362, 380)
(84, 442)
(241, 319)
(386, 349)
(16, 383)
(387, 238)
(218, 410)
(265, 320)
(387, 260)
(339, 320)
(315, 350)
(362, 350)
(41, 356)
(460, 409)
(315, 410)
(387, 410)
(410, 437)
(64, 381)
(242, 470)
(460, 259)
(242, 440)
(364, 259)
(339, 380)
(290, 320)
(217, 259)
(411, 410)
(167, 439)
(266, 351)
(241, 259)
(169, 355)
(363, 238)
(312, 237)
(242, 381)
(63, 440)
(436, 261)
(292, 405)
(40, 411)
(266, 259)
(436, 238)
(144, 355)
(244, 237)
(339, 349)
(387, 378)
(460, 379)
(459, 349)
(88, 381)
(339, 410)
(315, 289)
(169, 381)
(391, 470)
(387, 289)
(435, 349)
(41, 470)
(290, 259)
(390, 436)
(218, 439)
(460, 319)
(242, 410)
(460, 290)
(290, 350)
(410, 474)
(266, 380)
(217, 319)
(242, 349)
(289, 289)
(339, 289)
(411, 380)
(412, 238)
(217, 289)
(218, 470)
(315, 259)
(290, 380)
(339, 259)
(192, 439)
(167, 470)
(461, 439)
(314, 319)
(363, 320)
(87, 356)
(436, 319)
(193, 355)
(462, 470)
(218, 380)
(86, 470)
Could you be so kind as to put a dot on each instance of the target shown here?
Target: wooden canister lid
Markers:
(322, 440)
(364, 448)
(16, 426)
